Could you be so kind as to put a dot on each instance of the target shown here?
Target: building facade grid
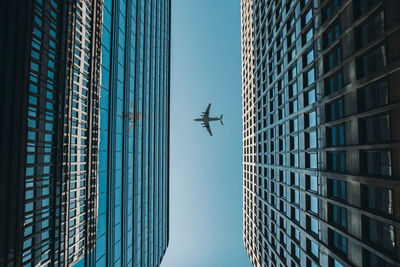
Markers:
(320, 132)
(133, 190)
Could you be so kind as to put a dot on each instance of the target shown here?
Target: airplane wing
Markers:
(207, 125)
(207, 112)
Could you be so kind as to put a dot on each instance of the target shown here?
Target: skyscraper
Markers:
(49, 124)
(85, 132)
(133, 214)
(320, 132)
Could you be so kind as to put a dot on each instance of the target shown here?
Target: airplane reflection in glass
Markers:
(133, 116)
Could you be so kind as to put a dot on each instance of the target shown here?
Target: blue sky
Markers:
(205, 172)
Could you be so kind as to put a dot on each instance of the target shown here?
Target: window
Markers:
(292, 72)
(377, 198)
(294, 142)
(311, 160)
(295, 234)
(312, 183)
(338, 242)
(309, 97)
(295, 197)
(335, 135)
(308, 36)
(334, 110)
(375, 129)
(292, 54)
(334, 82)
(362, 6)
(309, 56)
(334, 263)
(311, 119)
(370, 30)
(311, 139)
(295, 251)
(331, 34)
(337, 189)
(303, 3)
(376, 163)
(309, 77)
(373, 96)
(336, 161)
(313, 248)
(294, 159)
(372, 61)
(292, 38)
(294, 179)
(337, 215)
(312, 225)
(380, 234)
(312, 204)
(307, 17)
(330, 9)
(310, 263)
(293, 89)
(290, 22)
(332, 59)
(295, 215)
(293, 125)
(370, 259)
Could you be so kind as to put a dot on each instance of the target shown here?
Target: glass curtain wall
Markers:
(134, 127)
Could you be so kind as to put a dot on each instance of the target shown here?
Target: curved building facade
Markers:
(84, 116)
(49, 130)
(133, 192)
(321, 133)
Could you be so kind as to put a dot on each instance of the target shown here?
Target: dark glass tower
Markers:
(84, 132)
(133, 214)
(321, 128)
(50, 81)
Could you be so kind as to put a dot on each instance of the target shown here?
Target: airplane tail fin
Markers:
(220, 119)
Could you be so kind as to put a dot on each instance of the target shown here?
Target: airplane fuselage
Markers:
(207, 119)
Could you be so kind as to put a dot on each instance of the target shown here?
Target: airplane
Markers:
(205, 119)
(133, 116)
